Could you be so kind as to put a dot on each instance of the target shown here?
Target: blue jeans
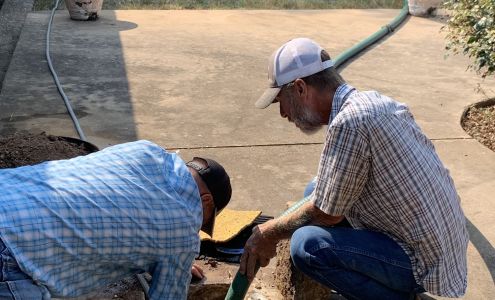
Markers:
(359, 264)
(310, 187)
(15, 284)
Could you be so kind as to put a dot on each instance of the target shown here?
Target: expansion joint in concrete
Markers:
(284, 144)
(243, 146)
(452, 139)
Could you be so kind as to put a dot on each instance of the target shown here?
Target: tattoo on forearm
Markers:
(286, 226)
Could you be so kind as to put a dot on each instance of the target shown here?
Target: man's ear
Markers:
(300, 87)
(207, 199)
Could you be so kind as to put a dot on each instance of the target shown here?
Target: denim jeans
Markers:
(359, 264)
(15, 284)
(310, 187)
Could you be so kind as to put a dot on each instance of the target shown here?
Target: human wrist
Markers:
(270, 231)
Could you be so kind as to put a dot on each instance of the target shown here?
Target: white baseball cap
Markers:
(298, 58)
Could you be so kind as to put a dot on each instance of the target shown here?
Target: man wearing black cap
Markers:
(214, 187)
(70, 227)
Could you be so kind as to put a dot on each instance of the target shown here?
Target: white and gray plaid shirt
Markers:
(382, 173)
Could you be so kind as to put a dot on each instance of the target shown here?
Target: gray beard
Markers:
(309, 130)
(307, 121)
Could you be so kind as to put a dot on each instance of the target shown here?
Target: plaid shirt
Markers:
(382, 173)
(79, 224)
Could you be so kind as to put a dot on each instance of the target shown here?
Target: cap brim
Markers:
(267, 98)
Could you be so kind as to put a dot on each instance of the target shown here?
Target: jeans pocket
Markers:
(25, 289)
(10, 268)
(9, 263)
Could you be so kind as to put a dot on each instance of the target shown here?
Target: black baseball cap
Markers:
(218, 182)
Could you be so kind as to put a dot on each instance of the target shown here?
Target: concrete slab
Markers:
(265, 178)
(188, 79)
(88, 64)
(411, 67)
(12, 16)
(161, 75)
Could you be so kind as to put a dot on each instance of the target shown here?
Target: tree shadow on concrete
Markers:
(90, 63)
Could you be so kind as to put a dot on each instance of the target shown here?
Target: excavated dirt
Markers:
(29, 149)
(128, 288)
(283, 279)
(293, 284)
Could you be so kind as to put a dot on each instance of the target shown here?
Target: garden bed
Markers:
(478, 120)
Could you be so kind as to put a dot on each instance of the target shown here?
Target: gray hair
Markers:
(326, 78)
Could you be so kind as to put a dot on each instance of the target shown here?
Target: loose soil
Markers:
(284, 269)
(479, 122)
(29, 149)
(293, 284)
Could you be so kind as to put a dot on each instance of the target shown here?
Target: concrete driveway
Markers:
(187, 80)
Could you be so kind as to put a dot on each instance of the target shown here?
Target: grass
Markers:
(237, 4)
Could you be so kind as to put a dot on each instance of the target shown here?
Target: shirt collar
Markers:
(339, 98)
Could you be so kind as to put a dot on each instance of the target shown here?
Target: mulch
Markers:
(479, 122)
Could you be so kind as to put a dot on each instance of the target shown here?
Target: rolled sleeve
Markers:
(343, 170)
(171, 277)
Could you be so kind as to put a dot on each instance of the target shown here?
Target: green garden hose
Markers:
(370, 40)
(240, 284)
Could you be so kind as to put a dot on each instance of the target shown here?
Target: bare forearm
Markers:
(308, 214)
(261, 246)
(285, 226)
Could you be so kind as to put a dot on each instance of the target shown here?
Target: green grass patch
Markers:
(237, 4)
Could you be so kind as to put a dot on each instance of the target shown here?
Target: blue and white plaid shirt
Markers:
(79, 224)
(382, 173)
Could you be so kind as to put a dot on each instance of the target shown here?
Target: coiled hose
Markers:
(240, 284)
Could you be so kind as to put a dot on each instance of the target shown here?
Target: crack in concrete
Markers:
(244, 146)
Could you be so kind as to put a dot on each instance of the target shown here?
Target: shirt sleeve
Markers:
(171, 277)
(343, 170)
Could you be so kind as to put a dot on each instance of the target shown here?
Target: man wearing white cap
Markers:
(380, 173)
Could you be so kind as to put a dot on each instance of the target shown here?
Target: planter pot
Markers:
(83, 10)
(481, 104)
(86, 146)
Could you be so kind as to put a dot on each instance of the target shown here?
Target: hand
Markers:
(258, 251)
(197, 272)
